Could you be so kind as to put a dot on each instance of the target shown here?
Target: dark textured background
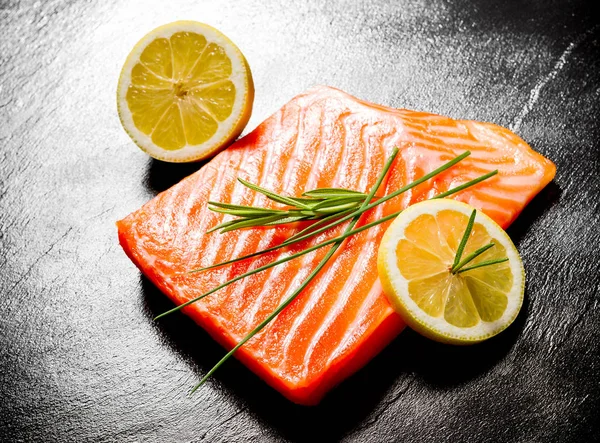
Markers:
(80, 357)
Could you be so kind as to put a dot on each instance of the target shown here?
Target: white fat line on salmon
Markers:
(534, 94)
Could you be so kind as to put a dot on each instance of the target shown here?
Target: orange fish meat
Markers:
(321, 138)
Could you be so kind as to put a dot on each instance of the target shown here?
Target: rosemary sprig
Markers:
(458, 265)
(306, 281)
(318, 204)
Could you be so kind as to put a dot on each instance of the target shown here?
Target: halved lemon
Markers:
(415, 259)
(185, 92)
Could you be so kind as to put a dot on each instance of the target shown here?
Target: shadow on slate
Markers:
(162, 175)
(540, 204)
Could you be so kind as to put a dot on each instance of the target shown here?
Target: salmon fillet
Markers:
(321, 138)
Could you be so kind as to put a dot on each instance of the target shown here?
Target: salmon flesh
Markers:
(321, 138)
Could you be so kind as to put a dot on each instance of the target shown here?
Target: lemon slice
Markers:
(185, 92)
(415, 259)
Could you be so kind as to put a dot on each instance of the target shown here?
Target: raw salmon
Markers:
(322, 138)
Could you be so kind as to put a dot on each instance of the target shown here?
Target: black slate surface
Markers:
(81, 359)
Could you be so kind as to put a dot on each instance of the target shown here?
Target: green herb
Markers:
(306, 281)
(328, 207)
(311, 231)
(484, 263)
(457, 266)
(318, 204)
(463, 241)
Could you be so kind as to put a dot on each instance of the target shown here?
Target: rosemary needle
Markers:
(463, 241)
(320, 204)
(484, 263)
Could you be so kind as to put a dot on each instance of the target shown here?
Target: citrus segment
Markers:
(460, 310)
(187, 48)
(460, 306)
(432, 242)
(168, 132)
(146, 110)
(427, 295)
(214, 64)
(144, 78)
(158, 59)
(199, 125)
(490, 302)
(420, 260)
(217, 98)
